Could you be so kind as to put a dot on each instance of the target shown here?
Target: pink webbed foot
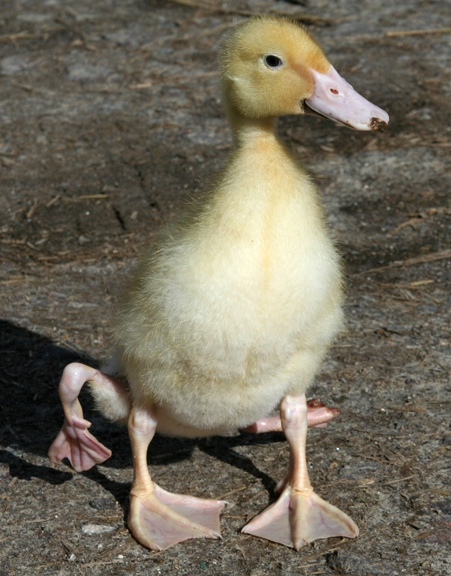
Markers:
(74, 441)
(159, 519)
(296, 519)
(299, 516)
(318, 416)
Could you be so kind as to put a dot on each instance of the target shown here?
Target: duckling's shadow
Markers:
(165, 450)
(31, 415)
(222, 448)
(31, 366)
(30, 409)
(119, 490)
(171, 450)
(17, 467)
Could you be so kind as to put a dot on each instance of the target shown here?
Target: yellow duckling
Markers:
(234, 309)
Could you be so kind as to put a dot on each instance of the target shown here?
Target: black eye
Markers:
(273, 61)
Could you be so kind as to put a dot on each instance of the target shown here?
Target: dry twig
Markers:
(324, 551)
(210, 7)
(32, 210)
(406, 409)
(397, 33)
(17, 36)
(240, 489)
(417, 285)
(433, 257)
(399, 480)
(410, 222)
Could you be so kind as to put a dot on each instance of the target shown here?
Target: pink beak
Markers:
(334, 98)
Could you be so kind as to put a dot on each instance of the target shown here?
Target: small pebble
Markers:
(4, 470)
(83, 240)
(34, 17)
(88, 73)
(102, 503)
(13, 65)
(96, 529)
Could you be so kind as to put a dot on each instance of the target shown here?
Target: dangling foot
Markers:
(159, 519)
(299, 516)
(317, 417)
(74, 441)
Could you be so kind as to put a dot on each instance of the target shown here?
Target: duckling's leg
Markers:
(159, 519)
(318, 414)
(74, 441)
(299, 516)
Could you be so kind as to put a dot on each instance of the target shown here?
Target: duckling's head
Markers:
(271, 66)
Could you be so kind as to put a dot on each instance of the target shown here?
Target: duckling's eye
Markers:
(273, 61)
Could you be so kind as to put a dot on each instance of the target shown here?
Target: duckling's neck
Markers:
(246, 130)
(260, 166)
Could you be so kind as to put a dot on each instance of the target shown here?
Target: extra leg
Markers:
(318, 415)
(299, 516)
(159, 519)
(74, 441)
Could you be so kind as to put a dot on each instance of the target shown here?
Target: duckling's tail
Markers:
(112, 394)
(113, 401)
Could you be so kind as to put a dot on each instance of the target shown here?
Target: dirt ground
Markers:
(109, 118)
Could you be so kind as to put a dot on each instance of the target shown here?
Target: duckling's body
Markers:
(240, 301)
(233, 310)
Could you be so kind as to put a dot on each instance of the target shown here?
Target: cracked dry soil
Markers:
(110, 119)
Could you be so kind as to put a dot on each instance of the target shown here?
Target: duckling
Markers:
(234, 309)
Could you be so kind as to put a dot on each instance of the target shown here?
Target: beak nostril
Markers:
(333, 91)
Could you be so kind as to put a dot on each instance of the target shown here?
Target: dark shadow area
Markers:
(19, 468)
(30, 365)
(118, 490)
(222, 449)
(31, 415)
